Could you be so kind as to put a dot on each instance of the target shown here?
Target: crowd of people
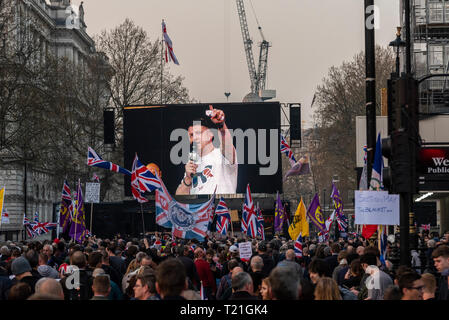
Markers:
(158, 267)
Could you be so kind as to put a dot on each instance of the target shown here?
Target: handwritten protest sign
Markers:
(376, 207)
(245, 251)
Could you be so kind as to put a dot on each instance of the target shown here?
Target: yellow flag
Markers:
(299, 223)
(2, 194)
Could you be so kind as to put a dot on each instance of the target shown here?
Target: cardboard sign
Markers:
(376, 207)
(245, 251)
(234, 215)
(92, 192)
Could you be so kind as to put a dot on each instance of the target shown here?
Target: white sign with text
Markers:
(245, 251)
(376, 207)
(92, 192)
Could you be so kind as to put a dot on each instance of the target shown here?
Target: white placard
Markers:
(245, 251)
(92, 192)
(376, 207)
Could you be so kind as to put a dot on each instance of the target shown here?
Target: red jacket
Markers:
(205, 274)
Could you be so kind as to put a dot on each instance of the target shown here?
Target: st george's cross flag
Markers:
(249, 218)
(169, 54)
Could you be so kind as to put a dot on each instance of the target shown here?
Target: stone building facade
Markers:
(60, 27)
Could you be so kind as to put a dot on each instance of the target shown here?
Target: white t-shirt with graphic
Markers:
(215, 170)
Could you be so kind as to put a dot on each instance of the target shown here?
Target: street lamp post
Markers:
(397, 43)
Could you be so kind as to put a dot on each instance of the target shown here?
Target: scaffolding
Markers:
(430, 52)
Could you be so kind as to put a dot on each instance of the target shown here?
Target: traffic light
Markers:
(401, 147)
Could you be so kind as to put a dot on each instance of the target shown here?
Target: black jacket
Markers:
(332, 263)
(191, 271)
(85, 291)
(5, 285)
(242, 295)
(443, 291)
(118, 264)
(268, 263)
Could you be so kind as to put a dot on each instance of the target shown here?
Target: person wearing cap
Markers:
(21, 270)
(47, 272)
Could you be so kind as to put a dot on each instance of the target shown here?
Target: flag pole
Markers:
(232, 229)
(91, 213)
(162, 58)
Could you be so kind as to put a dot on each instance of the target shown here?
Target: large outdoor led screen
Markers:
(229, 145)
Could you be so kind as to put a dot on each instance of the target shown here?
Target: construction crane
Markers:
(257, 78)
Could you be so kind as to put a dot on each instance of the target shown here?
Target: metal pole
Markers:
(91, 214)
(370, 64)
(162, 59)
(404, 229)
(408, 62)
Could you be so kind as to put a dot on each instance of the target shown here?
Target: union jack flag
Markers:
(28, 227)
(145, 179)
(187, 221)
(285, 149)
(40, 228)
(95, 178)
(223, 217)
(298, 246)
(94, 160)
(260, 223)
(249, 217)
(169, 54)
(425, 226)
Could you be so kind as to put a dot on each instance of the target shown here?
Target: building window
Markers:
(436, 12)
(435, 55)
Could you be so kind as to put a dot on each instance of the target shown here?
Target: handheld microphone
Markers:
(194, 157)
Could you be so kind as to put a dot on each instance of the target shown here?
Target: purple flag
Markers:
(315, 214)
(299, 168)
(78, 229)
(65, 212)
(338, 204)
(279, 215)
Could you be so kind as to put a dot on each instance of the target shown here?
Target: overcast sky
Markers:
(307, 37)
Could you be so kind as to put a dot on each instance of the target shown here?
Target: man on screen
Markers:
(210, 167)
